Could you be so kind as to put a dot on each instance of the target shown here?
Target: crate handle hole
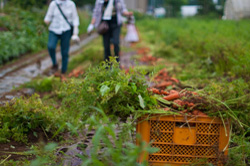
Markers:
(184, 124)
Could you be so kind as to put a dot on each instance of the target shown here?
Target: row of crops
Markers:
(23, 31)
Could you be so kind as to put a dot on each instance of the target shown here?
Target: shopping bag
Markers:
(132, 35)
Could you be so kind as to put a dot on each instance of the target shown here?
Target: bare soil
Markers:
(18, 151)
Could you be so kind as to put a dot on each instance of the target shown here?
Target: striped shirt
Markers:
(97, 13)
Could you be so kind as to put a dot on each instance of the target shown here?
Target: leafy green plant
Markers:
(108, 86)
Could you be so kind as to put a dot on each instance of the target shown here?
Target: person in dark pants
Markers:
(114, 34)
(65, 42)
(60, 29)
(112, 12)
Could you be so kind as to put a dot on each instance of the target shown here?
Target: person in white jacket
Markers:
(62, 19)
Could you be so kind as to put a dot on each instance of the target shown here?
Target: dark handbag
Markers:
(71, 26)
(103, 28)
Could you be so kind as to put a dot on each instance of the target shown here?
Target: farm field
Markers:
(89, 117)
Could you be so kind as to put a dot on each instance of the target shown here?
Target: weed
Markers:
(23, 117)
(111, 148)
(42, 85)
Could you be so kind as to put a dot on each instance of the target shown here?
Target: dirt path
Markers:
(23, 71)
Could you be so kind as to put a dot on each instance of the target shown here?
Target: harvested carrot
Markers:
(164, 92)
(176, 105)
(148, 58)
(199, 113)
(166, 79)
(164, 84)
(194, 93)
(188, 104)
(76, 73)
(202, 114)
(165, 74)
(143, 50)
(173, 91)
(162, 71)
(157, 79)
(195, 112)
(179, 102)
(175, 80)
(155, 91)
(172, 97)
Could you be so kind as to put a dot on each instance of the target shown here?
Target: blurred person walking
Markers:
(64, 21)
(107, 19)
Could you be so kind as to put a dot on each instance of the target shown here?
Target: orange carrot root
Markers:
(172, 97)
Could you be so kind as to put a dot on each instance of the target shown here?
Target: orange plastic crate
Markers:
(184, 139)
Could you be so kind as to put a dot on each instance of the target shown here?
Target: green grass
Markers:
(221, 46)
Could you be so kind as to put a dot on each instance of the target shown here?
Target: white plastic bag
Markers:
(132, 35)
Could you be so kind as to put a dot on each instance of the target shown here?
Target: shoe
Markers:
(53, 69)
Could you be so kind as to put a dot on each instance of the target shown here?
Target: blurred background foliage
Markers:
(22, 22)
(26, 4)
